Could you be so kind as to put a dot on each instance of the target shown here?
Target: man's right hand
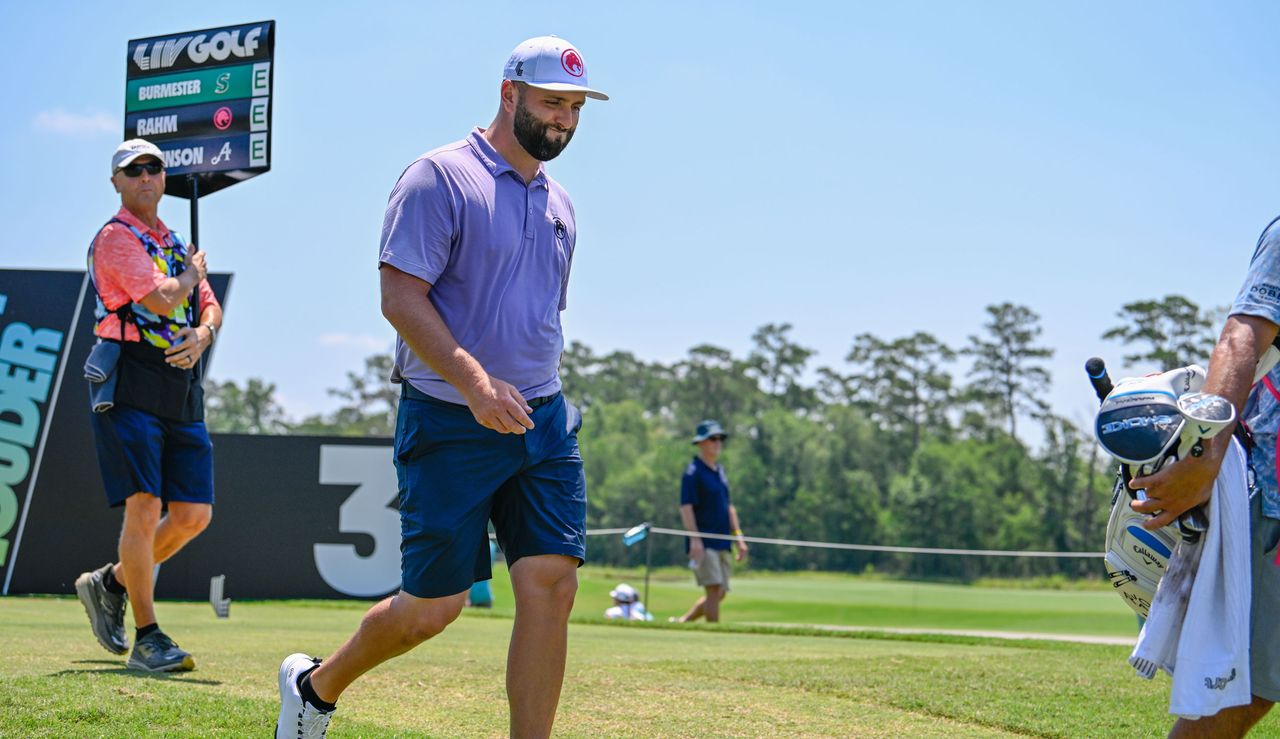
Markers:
(697, 551)
(199, 267)
(499, 406)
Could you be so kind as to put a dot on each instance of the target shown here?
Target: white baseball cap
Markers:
(624, 593)
(551, 63)
(132, 149)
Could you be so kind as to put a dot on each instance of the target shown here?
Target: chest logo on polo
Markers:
(561, 229)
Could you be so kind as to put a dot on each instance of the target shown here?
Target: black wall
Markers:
(294, 517)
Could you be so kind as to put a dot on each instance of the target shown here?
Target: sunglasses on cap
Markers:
(136, 170)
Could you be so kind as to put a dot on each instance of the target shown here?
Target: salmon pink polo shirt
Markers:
(124, 273)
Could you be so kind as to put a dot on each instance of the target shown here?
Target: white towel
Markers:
(1198, 631)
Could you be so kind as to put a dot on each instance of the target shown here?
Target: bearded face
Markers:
(544, 140)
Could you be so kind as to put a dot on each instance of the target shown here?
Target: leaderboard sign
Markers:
(204, 98)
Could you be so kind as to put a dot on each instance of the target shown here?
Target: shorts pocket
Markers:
(572, 419)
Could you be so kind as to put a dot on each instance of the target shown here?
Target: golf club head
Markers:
(1206, 414)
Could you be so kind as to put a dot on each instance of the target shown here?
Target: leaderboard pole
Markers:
(195, 244)
(195, 213)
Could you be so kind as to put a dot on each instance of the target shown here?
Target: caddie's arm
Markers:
(737, 531)
(172, 291)
(495, 404)
(696, 549)
(1181, 486)
(194, 341)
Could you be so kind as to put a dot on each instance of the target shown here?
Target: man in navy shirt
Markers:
(705, 509)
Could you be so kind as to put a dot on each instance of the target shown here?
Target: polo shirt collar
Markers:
(494, 162)
(161, 231)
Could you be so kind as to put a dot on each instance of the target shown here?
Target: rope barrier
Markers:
(862, 547)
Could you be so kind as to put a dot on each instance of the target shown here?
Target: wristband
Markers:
(737, 532)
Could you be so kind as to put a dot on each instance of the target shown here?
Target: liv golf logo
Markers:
(199, 48)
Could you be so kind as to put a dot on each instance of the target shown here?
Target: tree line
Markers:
(909, 442)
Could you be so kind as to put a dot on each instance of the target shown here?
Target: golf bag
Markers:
(1147, 423)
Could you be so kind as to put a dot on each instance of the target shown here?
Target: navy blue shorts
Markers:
(455, 476)
(140, 453)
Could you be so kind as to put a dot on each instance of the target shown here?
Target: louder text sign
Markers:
(38, 312)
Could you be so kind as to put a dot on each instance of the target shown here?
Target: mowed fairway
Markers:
(623, 680)
(842, 600)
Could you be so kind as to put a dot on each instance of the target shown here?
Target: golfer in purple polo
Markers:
(476, 248)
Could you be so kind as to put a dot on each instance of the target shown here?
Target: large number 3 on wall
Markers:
(365, 511)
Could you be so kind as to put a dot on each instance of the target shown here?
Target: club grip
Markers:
(1098, 377)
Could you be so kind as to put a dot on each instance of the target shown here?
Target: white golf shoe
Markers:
(298, 719)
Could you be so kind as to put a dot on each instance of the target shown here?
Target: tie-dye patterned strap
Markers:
(170, 259)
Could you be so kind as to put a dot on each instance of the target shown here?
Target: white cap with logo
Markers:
(551, 63)
(624, 593)
(132, 149)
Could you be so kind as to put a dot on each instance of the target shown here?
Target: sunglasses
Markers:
(717, 438)
(136, 170)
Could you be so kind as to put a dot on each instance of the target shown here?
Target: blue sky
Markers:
(845, 167)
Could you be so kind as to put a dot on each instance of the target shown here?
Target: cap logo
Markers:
(520, 69)
(572, 63)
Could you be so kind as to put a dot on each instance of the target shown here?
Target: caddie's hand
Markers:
(199, 265)
(190, 343)
(499, 406)
(697, 551)
(742, 550)
(1176, 489)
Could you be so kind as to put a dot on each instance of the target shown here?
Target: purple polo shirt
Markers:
(496, 253)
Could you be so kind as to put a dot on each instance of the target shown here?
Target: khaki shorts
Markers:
(716, 567)
(1264, 641)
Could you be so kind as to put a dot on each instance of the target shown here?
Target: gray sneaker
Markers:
(156, 652)
(105, 609)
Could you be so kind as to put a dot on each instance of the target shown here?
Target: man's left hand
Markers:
(742, 550)
(190, 344)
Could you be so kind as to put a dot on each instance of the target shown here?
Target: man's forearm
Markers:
(170, 293)
(211, 315)
(1244, 339)
(690, 523)
(1231, 368)
(406, 306)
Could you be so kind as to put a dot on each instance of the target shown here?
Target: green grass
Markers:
(843, 600)
(623, 680)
